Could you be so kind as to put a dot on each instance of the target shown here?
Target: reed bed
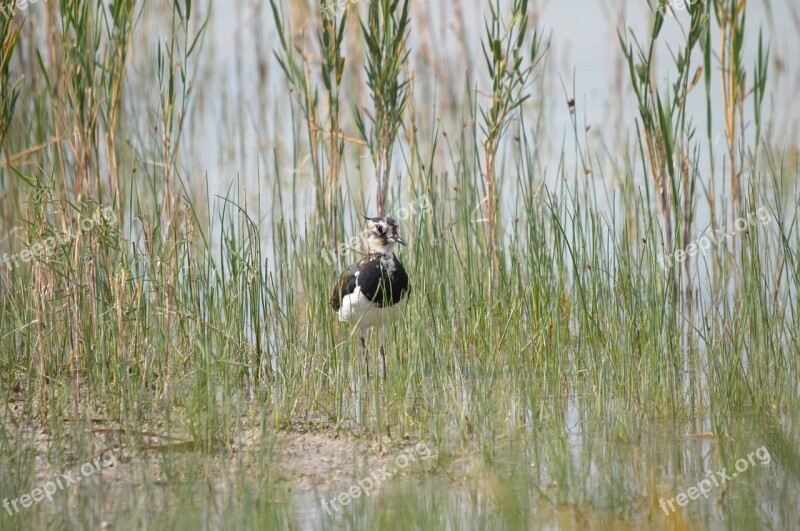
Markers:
(570, 359)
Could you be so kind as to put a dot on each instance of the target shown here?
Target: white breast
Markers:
(359, 310)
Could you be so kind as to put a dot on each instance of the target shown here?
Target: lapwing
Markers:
(374, 291)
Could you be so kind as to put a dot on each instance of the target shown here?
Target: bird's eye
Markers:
(379, 228)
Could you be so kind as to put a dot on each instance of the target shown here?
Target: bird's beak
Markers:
(399, 240)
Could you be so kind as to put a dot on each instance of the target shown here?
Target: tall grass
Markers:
(504, 51)
(191, 334)
(385, 35)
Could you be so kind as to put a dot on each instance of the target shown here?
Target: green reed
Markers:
(385, 36)
(193, 331)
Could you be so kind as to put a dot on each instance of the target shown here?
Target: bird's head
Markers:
(382, 234)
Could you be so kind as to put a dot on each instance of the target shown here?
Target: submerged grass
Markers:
(193, 332)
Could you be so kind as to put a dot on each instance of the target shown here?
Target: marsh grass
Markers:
(190, 332)
(385, 36)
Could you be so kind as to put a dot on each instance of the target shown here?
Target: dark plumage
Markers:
(374, 280)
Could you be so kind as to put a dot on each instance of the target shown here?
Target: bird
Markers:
(374, 291)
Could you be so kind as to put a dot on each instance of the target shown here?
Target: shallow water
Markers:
(580, 459)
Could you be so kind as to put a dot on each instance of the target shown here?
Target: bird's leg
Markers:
(383, 362)
(366, 354)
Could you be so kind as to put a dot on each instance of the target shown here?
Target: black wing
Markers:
(374, 281)
(376, 285)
